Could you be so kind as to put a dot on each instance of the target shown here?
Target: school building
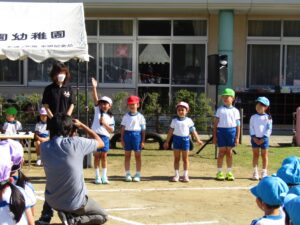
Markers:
(162, 46)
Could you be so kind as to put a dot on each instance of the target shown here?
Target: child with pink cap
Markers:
(13, 208)
(41, 133)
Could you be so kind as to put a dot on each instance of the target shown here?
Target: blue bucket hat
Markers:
(269, 190)
(295, 190)
(292, 206)
(290, 160)
(263, 100)
(290, 172)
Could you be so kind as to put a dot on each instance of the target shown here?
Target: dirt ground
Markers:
(155, 200)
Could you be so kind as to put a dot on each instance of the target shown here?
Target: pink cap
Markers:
(43, 111)
(183, 104)
(15, 151)
(5, 163)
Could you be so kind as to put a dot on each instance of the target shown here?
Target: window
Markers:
(190, 28)
(264, 65)
(293, 65)
(261, 28)
(91, 27)
(116, 28)
(154, 27)
(162, 91)
(39, 72)
(118, 63)
(154, 63)
(11, 72)
(291, 29)
(188, 64)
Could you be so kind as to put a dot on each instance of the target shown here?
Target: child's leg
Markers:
(255, 157)
(264, 156)
(37, 148)
(127, 160)
(138, 161)
(185, 159)
(229, 158)
(222, 152)
(96, 166)
(176, 154)
(104, 163)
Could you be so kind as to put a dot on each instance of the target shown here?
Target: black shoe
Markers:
(43, 220)
(63, 217)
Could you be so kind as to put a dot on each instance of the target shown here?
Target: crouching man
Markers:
(63, 164)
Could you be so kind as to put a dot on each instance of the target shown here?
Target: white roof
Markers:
(42, 30)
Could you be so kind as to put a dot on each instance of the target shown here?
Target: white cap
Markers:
(184, 104)
(106, 99)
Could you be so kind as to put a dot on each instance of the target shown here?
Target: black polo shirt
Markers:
(58, 98)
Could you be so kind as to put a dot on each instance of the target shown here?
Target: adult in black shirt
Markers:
(58, 97)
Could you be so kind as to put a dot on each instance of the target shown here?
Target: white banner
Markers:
(42, 30)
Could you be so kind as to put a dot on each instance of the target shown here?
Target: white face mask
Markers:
(61, 77)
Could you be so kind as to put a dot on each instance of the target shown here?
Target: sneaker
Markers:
(229, 176)
(98, 180)
(264, 174)
(39, 162)
(128, 178)
(63, 217)
(44, 220)
(104, 180)
(184, 179)
(255, 176)
(174, 179)
(137, 178)
(220, 176)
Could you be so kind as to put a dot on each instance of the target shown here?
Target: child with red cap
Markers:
(133, 128)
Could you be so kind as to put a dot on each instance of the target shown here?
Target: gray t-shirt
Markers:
(63, 164)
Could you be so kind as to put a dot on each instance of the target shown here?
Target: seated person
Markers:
(11, 126)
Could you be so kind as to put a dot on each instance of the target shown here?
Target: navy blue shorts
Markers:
(181, 143)
(132, 140)
(105, 140)
(226, 137)
(264, 145)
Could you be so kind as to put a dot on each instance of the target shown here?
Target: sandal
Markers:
(174, 179)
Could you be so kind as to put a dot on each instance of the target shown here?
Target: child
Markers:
(133, 127)
(289, 172)
(291, 207)
(11, 126)
(180, 129)
(103, 125)
(13, 208)
(41, 133)
(226, 133)
(260, 126)
(268, 195)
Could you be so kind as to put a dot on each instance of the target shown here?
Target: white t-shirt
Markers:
(12, 128)
(260, 125)
(228, 117)
(41, 129)
(6, 216)
(96, 124)
(270, 220)
(182, 127)
(134, 122)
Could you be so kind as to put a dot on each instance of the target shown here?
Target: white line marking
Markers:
(124, 220)
(128, 209)
(192, 223)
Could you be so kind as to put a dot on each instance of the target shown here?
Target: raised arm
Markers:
(94, 91)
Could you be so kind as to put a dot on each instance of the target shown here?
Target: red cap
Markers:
(133, 99)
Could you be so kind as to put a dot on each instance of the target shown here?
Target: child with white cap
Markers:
(268, 193)
(41, 133)
(103, 125)
(226, 133)
(260, 126)
(13, 199)
(180, 129)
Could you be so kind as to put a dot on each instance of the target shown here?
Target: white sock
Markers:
(219, 169)
(97, 172)
(127, 172)
(185, 173)
(138, 173)
(229, 170)
(264, 170)
(104, 172)
(176, 173)
(255, 169)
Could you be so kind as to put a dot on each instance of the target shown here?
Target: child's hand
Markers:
(166, 145)
(94, 82)
(236, 142)
(122, 143)
(199, 142)
(142, 145)
(103, 122)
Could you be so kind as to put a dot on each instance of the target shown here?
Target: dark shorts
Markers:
(132, 140)
(181, 143)
(264, 145)
(105, 140)
(226, 137)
